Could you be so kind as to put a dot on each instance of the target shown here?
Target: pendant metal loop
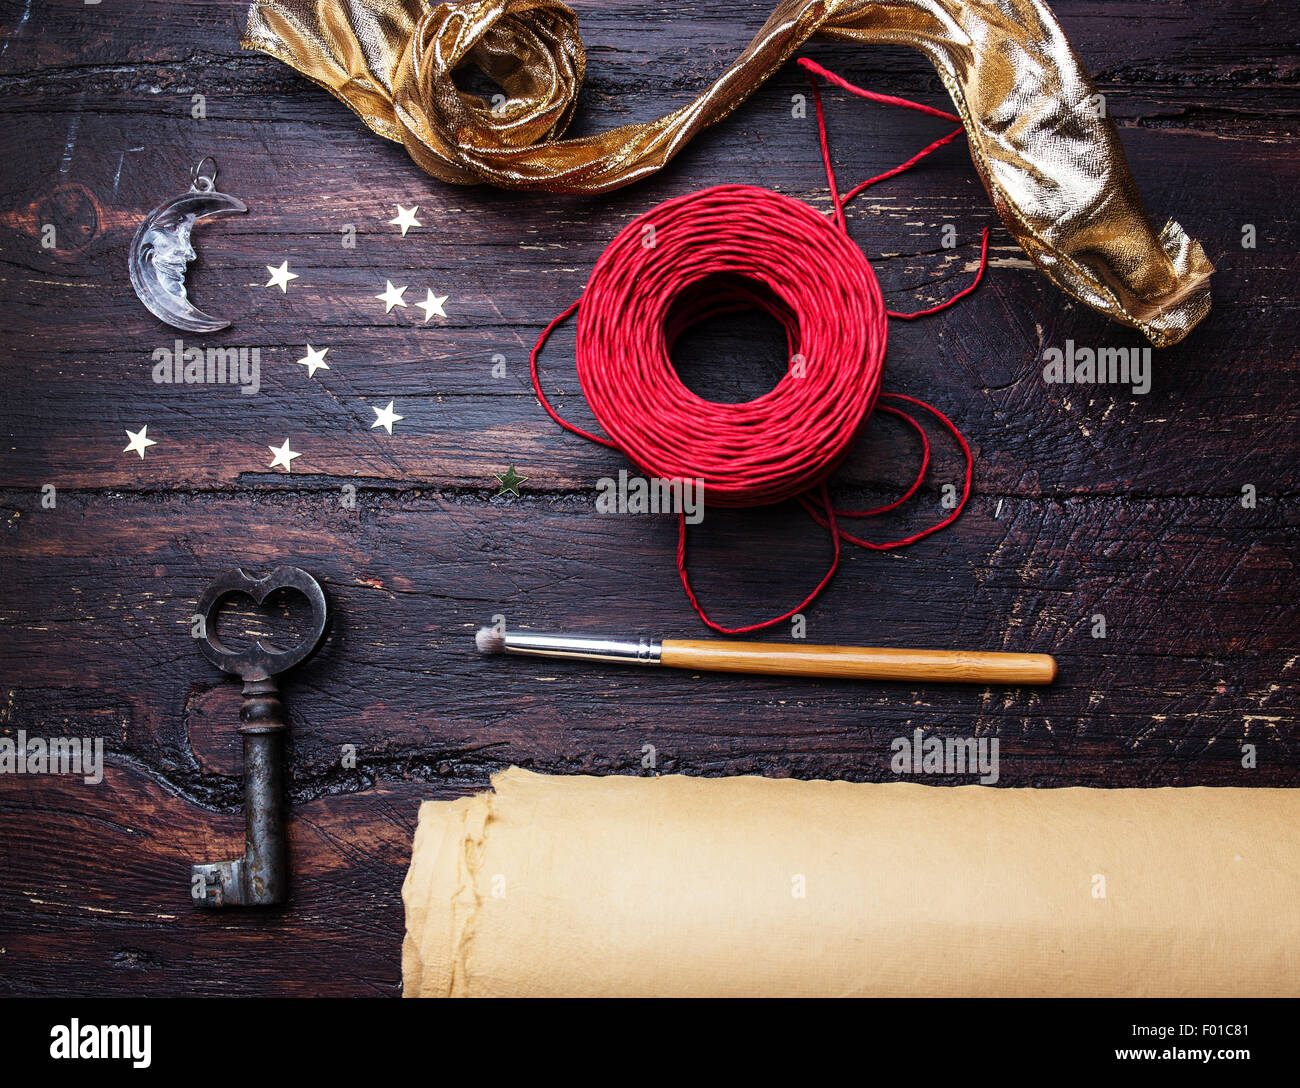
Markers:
(201, 182)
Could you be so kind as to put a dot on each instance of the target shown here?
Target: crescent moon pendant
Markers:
(161, 249)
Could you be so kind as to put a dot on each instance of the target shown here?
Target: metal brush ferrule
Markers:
(642, 651)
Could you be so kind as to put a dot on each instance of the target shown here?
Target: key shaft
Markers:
(260, 876)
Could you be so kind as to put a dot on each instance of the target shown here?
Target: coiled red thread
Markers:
(728, 248)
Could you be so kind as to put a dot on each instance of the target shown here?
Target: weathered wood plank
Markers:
(1200, 650)
(95, 896)
(83, 347)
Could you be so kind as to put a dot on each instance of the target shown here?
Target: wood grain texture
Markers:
(1087, 501)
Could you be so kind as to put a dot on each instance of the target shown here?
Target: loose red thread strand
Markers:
(729, 248)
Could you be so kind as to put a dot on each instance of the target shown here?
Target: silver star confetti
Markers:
(314, 360)
(281, 276)
(392, 296)
(139, 441)
(432, 304)
(385, 417)
(283, 456)
(406, 219)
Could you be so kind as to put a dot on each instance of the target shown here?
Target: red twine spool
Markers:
(721, 249)
(724, 249)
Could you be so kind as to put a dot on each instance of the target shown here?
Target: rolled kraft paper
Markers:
(1044, 147)
(679, 886)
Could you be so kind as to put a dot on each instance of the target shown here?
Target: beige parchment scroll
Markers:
(749, 886)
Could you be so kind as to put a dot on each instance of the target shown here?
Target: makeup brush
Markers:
(780, 658)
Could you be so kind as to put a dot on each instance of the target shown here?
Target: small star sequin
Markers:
(314, 360)
(281, 276)
(139, 441)
(510, 481)
(392, 296)
(385, 417)
(283, 456)
(432, 304)
(406, 219)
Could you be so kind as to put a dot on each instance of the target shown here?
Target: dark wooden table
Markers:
(1087, 501)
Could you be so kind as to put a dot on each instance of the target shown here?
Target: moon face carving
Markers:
(161, 249)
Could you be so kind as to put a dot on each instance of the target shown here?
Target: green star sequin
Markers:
(510, 481)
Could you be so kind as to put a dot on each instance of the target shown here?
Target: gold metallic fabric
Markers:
(1050, 158)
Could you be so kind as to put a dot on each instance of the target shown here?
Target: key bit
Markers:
(259, 878)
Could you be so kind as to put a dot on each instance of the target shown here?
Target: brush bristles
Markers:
(490, 641)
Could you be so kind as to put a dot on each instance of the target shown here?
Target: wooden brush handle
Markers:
(858, 662)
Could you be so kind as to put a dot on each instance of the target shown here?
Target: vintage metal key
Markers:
(259, 878)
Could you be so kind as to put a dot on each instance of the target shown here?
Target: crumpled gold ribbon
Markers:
(1053, 166)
